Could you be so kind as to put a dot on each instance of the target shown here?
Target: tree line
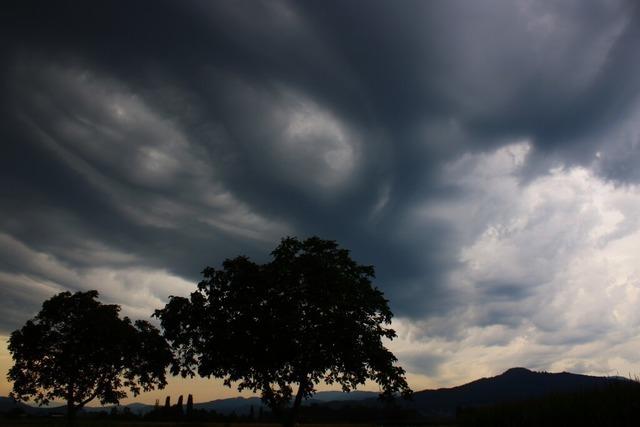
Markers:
(311, 315)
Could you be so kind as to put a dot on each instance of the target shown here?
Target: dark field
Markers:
(42, 422)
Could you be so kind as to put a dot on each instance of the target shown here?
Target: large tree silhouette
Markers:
(310, 315)
(77, 349)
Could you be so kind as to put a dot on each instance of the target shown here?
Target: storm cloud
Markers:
(481, 155)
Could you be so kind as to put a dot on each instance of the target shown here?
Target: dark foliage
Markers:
(310, 315)
(77, 349)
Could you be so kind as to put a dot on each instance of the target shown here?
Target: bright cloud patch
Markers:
(286, 136)
(312, 132)
(549, 276)
(138, 290)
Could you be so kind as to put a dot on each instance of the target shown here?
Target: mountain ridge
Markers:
(514, 384)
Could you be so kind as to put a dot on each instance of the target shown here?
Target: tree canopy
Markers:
(77, 349)
(310, 315)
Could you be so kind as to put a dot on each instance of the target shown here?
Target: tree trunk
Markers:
(292, 417)
(267, 395)
(71, 409)
(71, 413)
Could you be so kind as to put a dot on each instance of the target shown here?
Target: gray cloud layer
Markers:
(141, 143)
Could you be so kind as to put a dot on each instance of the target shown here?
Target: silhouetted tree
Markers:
(78, 349)
(309, 315)
(190, 405)
(179, 409)
(166, 410)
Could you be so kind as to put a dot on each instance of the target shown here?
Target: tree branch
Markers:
(95, 392)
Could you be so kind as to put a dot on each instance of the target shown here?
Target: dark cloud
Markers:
(143, 138)
(427, 364)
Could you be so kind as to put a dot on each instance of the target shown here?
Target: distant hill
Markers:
(513, 385)
(242, 405)
(7, 404)
(239, 405)
(334, 396)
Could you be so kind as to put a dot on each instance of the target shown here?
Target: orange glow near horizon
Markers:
(5, 364)
(202, 389)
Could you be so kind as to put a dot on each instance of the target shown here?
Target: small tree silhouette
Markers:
(78, 349)
(179, 409)
(190, 405)
(166, 411)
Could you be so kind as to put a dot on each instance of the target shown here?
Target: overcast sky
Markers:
(482, 155)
